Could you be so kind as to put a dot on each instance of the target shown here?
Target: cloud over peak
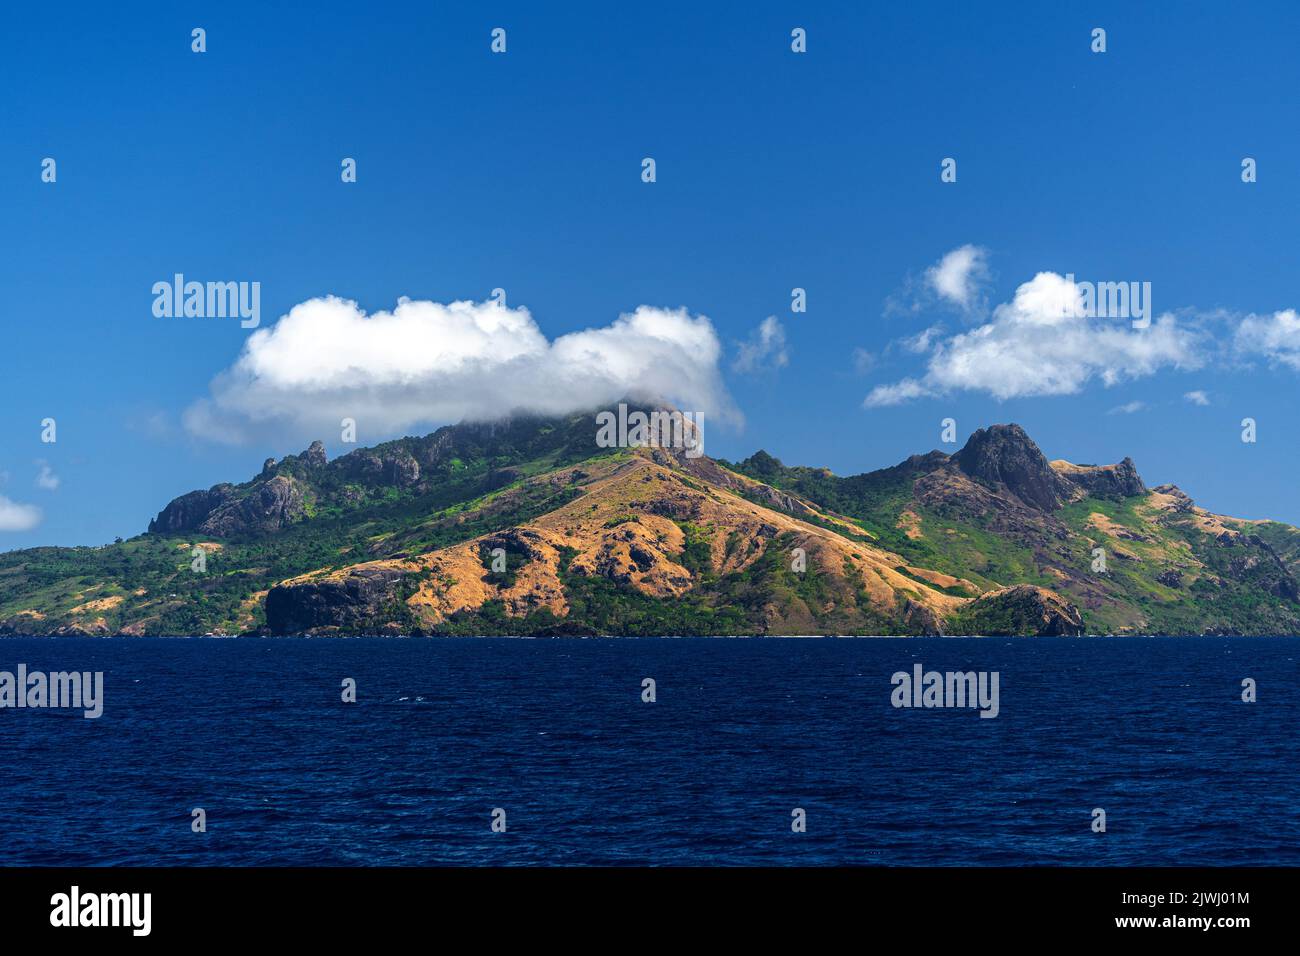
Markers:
(426, 362)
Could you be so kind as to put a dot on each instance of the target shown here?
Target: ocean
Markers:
(553, 741)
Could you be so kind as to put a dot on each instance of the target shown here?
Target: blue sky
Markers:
(522, 171)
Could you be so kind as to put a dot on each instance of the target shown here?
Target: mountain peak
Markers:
(315, 455)
(1005, 455)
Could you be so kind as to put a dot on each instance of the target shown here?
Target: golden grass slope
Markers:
(627, 527)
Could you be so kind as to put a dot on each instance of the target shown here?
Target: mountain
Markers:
(998, 512)
(529, 526)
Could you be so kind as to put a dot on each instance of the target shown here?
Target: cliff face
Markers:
(223, 513)
(189, 511)
(356, 601)
(526, 526)
(1103, 481)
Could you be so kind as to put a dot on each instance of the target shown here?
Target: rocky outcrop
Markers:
(1003, 456)
(401, 471)
(709, 470)
(222, 512)
(922, 464)
(1178, 499)
(354, 601)
(189, 511)
(922, 620)
(1108, 481)
(1024, 610)
(272, 506)
(390, 468)
(315, 456)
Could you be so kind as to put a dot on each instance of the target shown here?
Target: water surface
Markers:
(742, 732)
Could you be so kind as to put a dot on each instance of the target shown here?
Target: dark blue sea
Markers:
(743, 731)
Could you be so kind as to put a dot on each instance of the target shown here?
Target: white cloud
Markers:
(46, 478)
(765, 348)
(1040, 343)
(862, 361)
(1128, 408)
(18, 517)
(429, 362)
(956, 278)
(1275, 337)
(1197, 397)
(896, 394)
(922, 341)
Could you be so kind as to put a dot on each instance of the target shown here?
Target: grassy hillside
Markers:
(1171, 568)
(401, 538)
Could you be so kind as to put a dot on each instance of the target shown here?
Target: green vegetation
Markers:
(1167, 571)
(485, 487)
(697, 552)
(1163, 575)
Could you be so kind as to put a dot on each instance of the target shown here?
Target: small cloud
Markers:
(1128, 408)
(18, 517)
(1197, 397)
(1276, 337)
(885, 395)
(958, 280)
(764, 349)
(923, 341)
(863, 361)
(957, 277)
(46, 478)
